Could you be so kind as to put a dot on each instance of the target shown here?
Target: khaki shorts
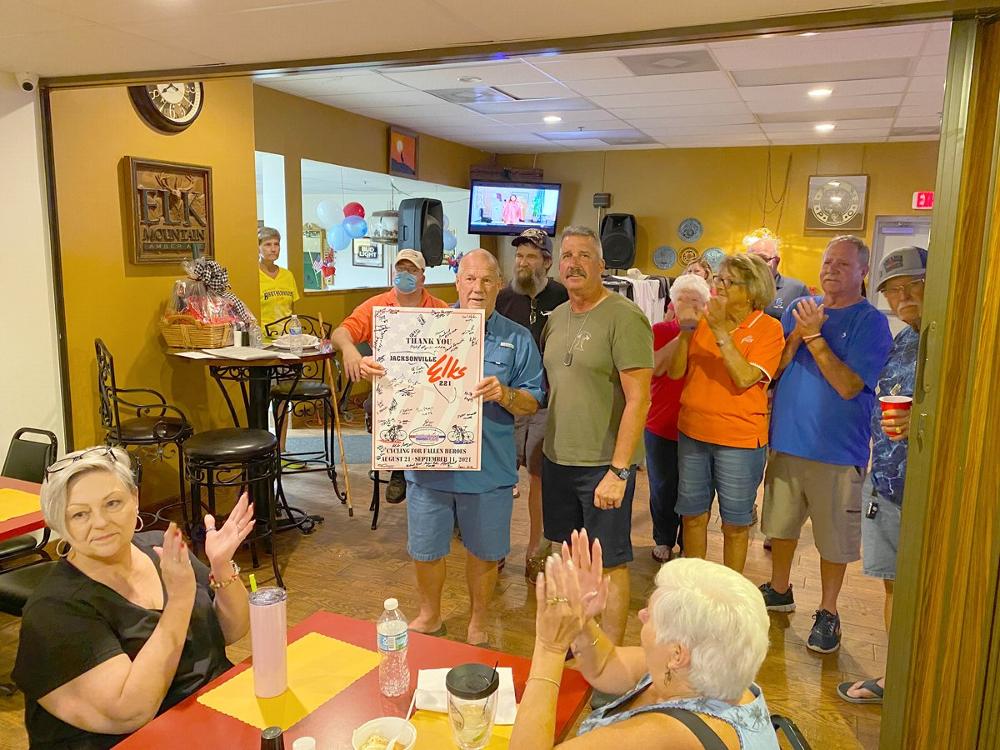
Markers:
(797, 488)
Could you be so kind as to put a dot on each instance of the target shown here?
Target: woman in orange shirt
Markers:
(728, 355)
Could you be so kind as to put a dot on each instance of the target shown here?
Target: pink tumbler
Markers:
(269, 641)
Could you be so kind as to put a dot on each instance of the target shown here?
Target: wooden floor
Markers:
(345, 567)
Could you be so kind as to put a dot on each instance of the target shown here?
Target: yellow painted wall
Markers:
(300, 129)
(724, 188)
(106, 295)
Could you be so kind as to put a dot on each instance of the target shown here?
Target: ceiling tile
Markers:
(683, 60)
(931, 65)
(828, 116)
(930, 84)
(705, 128)
(781, 51)
(821, 108)
(922, 110)
(681, 110)
(918, 122)
(651, 124)
(19, 18)
(580, 67)
(927, 100)
(530, 105)
(384, 99)
(901, 138)
(550, 90)
(643, 84)
(938, 42)
(497, 74)
(800, 91)
(789, 127)
(845, 71)
(583, 117)
(668, 98)
(333, 85)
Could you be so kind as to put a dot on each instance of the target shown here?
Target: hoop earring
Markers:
(142, 524)
(68, 548)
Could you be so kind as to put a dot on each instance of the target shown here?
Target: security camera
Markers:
(27, 81)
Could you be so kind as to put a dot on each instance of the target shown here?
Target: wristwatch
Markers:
(622, 474)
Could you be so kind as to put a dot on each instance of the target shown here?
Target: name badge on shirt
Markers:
(506, 345)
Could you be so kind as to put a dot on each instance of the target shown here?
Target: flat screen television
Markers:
(511, 207)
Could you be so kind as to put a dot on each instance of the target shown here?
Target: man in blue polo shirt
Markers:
(836, 347)
(482, 501)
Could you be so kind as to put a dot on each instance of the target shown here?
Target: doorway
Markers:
(890, 233)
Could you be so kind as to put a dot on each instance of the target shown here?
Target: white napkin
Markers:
(432, 695)
(285, 341)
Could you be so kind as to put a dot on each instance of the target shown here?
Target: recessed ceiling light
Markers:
(551, 119)
(809, 33)
(470, 79)
(820, 93)
(824, 127)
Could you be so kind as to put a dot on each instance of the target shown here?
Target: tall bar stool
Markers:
(303, 390)
(239, 458)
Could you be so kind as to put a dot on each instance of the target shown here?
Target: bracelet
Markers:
(509, 397)
(217, 585)
(547, 679)
(807, 339)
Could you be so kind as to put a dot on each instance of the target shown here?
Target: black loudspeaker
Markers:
(421, 228)
(618, 240)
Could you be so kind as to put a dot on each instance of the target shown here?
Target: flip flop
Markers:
(441, 632)
(870, 685)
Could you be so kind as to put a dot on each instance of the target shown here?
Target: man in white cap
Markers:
(407, 291)
(788, 289)
(901, 279)
(528, 299)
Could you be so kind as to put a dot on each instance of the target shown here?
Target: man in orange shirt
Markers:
(407, 291)
(728, 356)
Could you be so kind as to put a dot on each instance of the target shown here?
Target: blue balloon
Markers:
(449, 241)
(356, 226)
(447, 223)
(338, 238)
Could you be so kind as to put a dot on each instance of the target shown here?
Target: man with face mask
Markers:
(528, 299)
(407, 291)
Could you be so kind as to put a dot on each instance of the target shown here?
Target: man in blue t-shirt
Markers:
(901, 280)
(836, 347)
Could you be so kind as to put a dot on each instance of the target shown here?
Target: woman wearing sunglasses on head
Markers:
(127, 624)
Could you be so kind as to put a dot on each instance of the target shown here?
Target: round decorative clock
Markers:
(664, 257)
(169, 107)
(689, 255)
(713, 256)
(690, 230)
(836, 202)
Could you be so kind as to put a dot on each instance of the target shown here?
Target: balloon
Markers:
(338, 238)
(355, 226)
(449, 241)
(447, 223)
(328, 213)
(354, 209)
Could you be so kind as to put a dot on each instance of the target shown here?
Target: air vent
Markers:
(666, 63)
(926, 130)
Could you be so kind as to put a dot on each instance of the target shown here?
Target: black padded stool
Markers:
(239, 458)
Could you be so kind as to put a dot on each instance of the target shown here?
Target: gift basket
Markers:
(202, 310)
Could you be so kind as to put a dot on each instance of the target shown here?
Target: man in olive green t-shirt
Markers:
(598, 357)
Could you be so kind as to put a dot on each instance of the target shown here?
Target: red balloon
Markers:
(354, 209)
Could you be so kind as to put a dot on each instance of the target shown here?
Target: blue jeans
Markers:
(661, 465)
(706, 469)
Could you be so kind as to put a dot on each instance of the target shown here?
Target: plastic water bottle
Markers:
(256, 337)
(295, 331)
(393, 669)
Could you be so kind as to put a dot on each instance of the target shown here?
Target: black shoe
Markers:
(776, 602)
(824, 637)
(396, 491)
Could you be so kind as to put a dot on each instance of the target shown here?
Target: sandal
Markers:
(870, 685)
(533, 566)
(662, 553)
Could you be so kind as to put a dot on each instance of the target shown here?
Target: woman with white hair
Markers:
(690, 684)
(127, 624)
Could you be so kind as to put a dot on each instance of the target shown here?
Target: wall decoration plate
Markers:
(713, 256)
(689, 255)
(690, 230)
(837, 202)
(664, 257)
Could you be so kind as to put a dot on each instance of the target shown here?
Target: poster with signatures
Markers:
(424, 416)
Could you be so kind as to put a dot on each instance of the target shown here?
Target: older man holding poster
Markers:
(482, 501)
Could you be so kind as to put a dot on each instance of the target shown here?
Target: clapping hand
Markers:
(561, 607)
(715, 314)
(589, 564)
(809, 317)
(689, 309)
(175, 567)
(221, 544)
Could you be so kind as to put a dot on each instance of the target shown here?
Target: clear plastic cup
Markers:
(472, 704)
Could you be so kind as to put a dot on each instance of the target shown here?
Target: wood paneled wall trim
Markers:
(943, 675)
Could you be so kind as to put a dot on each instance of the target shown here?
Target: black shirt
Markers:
(518, 307)
(73, 623)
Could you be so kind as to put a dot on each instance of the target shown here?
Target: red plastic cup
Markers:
(895, 403)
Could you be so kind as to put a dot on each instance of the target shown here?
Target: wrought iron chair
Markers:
(304, 391)
(784, 726)
(155, 426)
(27, 460)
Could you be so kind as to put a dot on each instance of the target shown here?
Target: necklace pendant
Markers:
(568, 359)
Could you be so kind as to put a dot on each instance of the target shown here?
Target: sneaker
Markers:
(824, 637)
(776, 602)
(396, 491)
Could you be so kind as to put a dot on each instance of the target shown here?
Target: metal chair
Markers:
(784, 726)
(27, 460)
(156, 424)
(303, 390)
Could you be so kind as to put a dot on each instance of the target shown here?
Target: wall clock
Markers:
(168, 107)
(837, 202)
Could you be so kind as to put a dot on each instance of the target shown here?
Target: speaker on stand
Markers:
(618, 232)
(421, 228)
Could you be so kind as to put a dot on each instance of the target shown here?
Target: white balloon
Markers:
(329, 214)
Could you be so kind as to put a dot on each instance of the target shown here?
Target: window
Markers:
(270, 170)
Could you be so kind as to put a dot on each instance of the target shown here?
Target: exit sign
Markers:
(923, 199)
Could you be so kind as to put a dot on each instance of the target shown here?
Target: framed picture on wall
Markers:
(313, 247)
(367, 254)
(837, 202)
(402, 152)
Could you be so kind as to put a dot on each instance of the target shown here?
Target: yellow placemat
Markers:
(319, 667)
(434, 732)
(14, 503)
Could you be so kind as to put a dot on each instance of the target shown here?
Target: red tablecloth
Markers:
(21, 524)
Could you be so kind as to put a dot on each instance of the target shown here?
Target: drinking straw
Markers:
(253, 583)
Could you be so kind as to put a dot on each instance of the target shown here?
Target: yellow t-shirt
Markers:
(276, 296)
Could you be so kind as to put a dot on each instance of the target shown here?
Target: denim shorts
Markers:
(879, 535)
(483, 519)
(705, 469)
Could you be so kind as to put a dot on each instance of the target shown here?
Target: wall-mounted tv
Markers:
(512, 207)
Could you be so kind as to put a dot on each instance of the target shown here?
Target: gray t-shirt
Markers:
(586, 399)
(787, 291)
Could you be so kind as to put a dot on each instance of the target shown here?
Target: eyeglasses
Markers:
(63, 463)
(898, 290)
(726, 283)
(533, 314)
